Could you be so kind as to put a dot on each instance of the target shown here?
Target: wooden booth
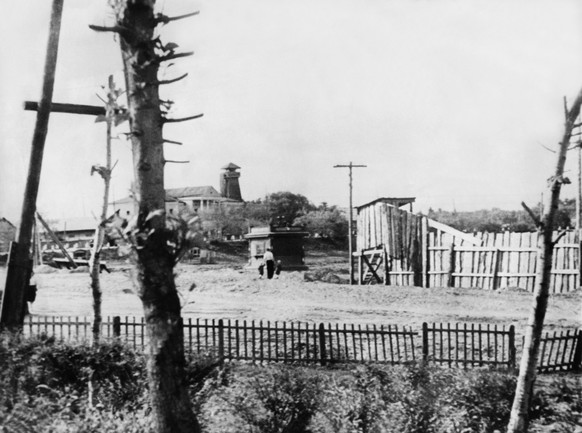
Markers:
(286, 244)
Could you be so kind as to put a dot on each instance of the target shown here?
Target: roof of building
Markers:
(74, 224)
(4, 220)
(394, 201)
(230, 166)
(271, 231)
(206, 191)
(173, 194)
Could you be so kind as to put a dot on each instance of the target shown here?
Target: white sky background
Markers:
(446, 101)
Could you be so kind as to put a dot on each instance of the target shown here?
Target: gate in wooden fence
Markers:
(413, 250)
(263, 341)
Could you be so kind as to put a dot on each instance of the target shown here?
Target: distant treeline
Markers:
(328, 222)
(282, 208)
(496, 220)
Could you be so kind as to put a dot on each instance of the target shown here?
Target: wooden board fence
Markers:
(452, 345)
(505, 260)
(420, 251)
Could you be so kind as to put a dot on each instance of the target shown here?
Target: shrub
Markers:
(111, 375)
(45, 387)
(557, 403)
(279, 399)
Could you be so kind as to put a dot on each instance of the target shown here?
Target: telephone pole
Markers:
(19, 266)
(579, 177)
(350, 229)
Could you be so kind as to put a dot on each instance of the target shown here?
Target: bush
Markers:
(279, 399)
(557, 406)
(47, 386)
(44, 380)
(114, 372)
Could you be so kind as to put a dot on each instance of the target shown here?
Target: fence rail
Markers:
(458, 345)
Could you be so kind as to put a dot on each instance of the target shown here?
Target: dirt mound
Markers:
(45, 269)
(326, 275)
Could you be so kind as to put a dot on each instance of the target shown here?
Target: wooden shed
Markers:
(285, 242)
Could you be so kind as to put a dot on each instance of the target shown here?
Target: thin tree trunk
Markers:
(519, 419)
(94, 261)
(171, 406)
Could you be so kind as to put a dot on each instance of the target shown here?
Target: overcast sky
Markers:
(447, 101)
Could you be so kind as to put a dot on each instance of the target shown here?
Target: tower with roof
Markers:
(229, 186)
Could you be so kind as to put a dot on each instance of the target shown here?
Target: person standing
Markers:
(269, 260)
(261, 269)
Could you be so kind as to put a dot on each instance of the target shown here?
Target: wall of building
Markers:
(7, 234)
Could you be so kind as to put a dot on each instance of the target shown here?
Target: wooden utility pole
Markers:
(350, 228)
(579, 177)
(579, 186)
(18, 274)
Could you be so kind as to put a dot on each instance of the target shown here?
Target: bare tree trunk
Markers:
(172, 409)
(94, 261)
(519, 419)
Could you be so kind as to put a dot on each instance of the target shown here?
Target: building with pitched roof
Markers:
(194, 198)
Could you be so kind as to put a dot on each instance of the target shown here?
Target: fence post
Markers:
(578, 352)
(511, 349)
(117, 326)
(425, 343)
(425, 240)
(496, 263)
(322, 353)
(580, 263)
(221, 341)
(360, 267)
(450, 280)
(386, 267)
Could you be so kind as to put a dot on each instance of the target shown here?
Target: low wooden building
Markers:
(286, 244)
(7, 234)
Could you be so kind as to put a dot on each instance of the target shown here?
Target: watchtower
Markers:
(229, 186)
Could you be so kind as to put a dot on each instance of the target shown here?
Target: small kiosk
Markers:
(286, 244)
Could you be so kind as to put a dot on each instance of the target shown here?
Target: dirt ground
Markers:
(229, 291)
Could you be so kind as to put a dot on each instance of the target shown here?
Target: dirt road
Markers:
(231, 293)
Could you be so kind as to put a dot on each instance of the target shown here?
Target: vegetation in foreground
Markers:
(55, 387)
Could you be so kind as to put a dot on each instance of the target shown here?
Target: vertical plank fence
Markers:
(504, 260)
(452, 345)
(423, 252)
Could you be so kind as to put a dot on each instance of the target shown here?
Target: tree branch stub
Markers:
(183, 119)
(164, 19)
